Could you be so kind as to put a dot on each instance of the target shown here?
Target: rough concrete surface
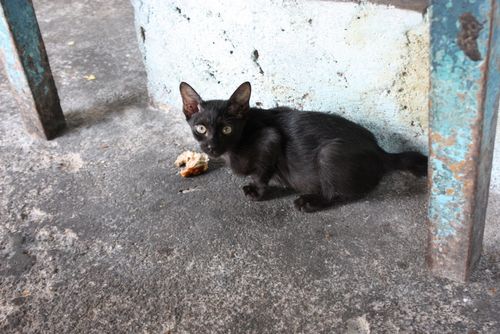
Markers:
(99, 233)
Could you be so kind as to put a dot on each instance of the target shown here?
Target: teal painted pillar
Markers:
(465, 86)
(25, 61)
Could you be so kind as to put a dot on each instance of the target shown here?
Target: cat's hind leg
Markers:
(334, 167)
(346, 171)
(329, 156)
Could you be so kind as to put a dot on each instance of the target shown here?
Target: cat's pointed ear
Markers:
(239, 101)
(190, 100)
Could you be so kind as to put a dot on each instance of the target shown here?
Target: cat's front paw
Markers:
(253, 192)
(310, 203)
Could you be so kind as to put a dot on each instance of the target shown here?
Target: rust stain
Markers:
(454, 256)
(437, 138)
(458, 166)
(448, 257)
(468, 35)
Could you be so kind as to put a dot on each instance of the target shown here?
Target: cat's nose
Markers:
(210, 149)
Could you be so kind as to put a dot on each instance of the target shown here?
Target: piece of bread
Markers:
(195, 163)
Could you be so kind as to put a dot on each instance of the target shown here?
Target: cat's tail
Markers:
(414, 162)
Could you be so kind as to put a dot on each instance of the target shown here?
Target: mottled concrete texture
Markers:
(99, 234)
(358, 60)
(418, 5)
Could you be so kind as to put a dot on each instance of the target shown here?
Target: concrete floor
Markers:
(99, 233)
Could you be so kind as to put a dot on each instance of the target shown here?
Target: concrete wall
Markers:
(364, 61)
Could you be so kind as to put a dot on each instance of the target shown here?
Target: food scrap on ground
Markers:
(195, 163)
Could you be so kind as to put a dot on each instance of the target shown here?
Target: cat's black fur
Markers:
(323, 157)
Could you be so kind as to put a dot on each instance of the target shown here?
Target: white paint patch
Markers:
(495, 171)
(358, 325)
(38, 216)
(56, 238)
(5, 310)
(71, 162)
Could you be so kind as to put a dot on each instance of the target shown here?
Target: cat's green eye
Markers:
(227, 130)
(201, 129)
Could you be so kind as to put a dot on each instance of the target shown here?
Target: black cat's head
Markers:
(217, 125)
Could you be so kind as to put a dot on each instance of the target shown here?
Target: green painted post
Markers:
(25, 61)
(465, 86)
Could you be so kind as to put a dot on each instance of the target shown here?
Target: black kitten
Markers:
(323, 157)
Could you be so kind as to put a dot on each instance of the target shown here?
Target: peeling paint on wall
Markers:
(411, 87)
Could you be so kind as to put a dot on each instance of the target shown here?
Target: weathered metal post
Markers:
(26, 64)
(465, 86)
